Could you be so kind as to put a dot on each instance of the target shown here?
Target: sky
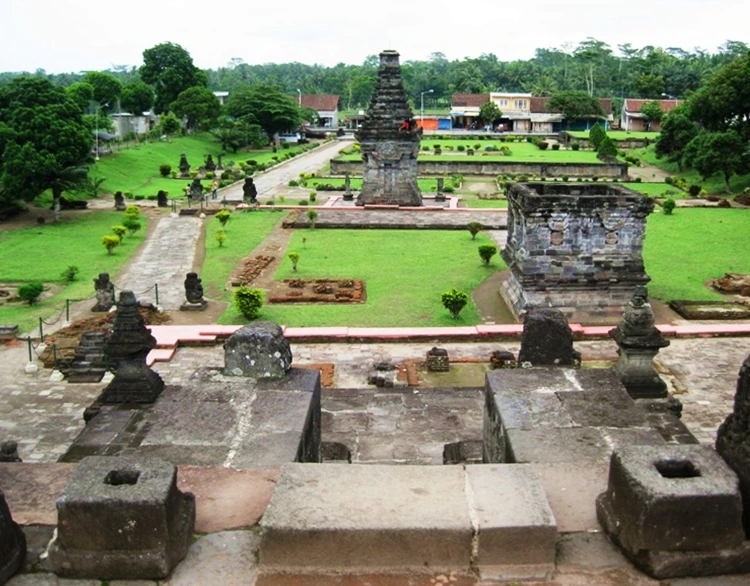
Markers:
(66, 36)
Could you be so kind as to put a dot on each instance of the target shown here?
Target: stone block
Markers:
(122, 518)
(259, 350)
(328, 518)
(12, 543)
(517, 530)
(671, 498)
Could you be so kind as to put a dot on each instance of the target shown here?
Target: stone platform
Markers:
(409, 519)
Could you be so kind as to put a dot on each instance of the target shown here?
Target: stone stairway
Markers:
(89, 363)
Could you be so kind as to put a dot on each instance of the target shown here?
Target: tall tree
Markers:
(169, 69)
(677, 130)
(489, 113)
(136, 98)
(81, 93)
(107, 89)
(717, 152)
(652, 112)
(45, 142)
(269, 107)
(199, 105)
(575, 105)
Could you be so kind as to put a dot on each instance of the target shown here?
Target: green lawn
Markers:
(136, 169)
(425, 185)
(405, 273)
(618, 134)
(43, 252)
(713, 185)
(656, 189)
(521, 152)
(473, 202)
(686, 249)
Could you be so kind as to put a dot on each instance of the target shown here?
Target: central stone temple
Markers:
(389, 140)
(574, 248)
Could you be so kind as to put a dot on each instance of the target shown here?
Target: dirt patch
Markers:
(317, 291)
(326, 372)
(250, 269)
(732, 283)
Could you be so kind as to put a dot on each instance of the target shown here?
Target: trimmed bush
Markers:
(30, 292)
(110, 242)
(223, 217)
(248, 301)
(486, 252)
(694, 190)
(69, 274)
(454, 301)
(668, 206)
(221, 237)
(556, 146)
(119, 231)
(132, 225)
(575, 146)
(294, 257)
(474, 229)
(165, 170)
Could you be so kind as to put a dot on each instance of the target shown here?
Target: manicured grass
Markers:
(656, 189)
(686, 249)
(356, 183)
(43, 252)
(713, 185)
(618, 134)
(405, 273)
(521, 152)
(136, 169)
(473, 202)
(245, 231)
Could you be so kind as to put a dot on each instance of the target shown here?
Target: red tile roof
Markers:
(631, 105)
(469, 100)
(321, 102)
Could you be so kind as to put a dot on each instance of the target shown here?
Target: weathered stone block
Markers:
(12, 543)
(671, 498)
(122, 518)
(547, 340)
(259, 350)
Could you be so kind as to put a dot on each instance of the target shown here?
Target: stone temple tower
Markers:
(389, 151)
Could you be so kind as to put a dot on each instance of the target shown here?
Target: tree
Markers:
(44, 141)
(132, 225)
(668, 206)
(169, 69)
(677, 131)
(169, 124)
(267, 106)
(474, 229)
(596, 136)
(199, 105)
(136, 98)
(652, 112)
(223, 217)
(607, 149)
(575, 105)
(81, 93)
(312, 217)
(454, 301)
(119, 231)
(110, 242)
(717, 152)
(30, 292)
(237, 134)
(294, 257)
(107, 88)
(489, 113)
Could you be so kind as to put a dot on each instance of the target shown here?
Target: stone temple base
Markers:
(578, 304)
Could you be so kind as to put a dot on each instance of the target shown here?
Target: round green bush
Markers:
(30, 292)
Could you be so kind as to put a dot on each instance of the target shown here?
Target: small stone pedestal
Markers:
(437, 360)
(122, 519)
(675, 510)
(12, 543)
(638, 341)
(259, 350)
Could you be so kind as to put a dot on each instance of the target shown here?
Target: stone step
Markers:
(363, 519)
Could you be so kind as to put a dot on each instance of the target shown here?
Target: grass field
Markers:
(425, 185)
(686, 249)
(521, 152)
(619, 134)
(405, 273)
(656, 189)
(42, 253)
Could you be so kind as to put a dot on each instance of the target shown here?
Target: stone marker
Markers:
(547, 340)
(127, 349)
(105, 293)
(675, 511)
(12, 543)
(119, 201)
(249, 191)
(122, 518)
(161, 199)
(193, 294)
(9, 452)
(733, 439)
(259, 350)
(440, 194)
(638, 341)
(437, 360)
(348, 195)
(184, 166)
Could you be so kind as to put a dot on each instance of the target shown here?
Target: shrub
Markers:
(249, 301)
(694, 190)
(312, 216)
(575, 146)
(221, 237)
(724, 203)
(303, 202)
(477, 146)
(607, 149)
(69, 274)
(131, 225)
(110, 243)
(313, 196)
(638, 180)
(119, 231)
(448, 189)
(460, 148)
(486, 252)
(474, 229)
(293, 183)
(139, 197)
(30, 292)
(542, 145)
(425, 148)
(668, 206)
(173, 174)
(556, 146)
(596, 136)
(210, 174)
(223, 217)
(165, 170)
(564, 177)
(294, 257)
(668, 180)
(454, 301)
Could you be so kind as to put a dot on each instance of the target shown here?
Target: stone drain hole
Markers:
(677, 469)
(120, 477)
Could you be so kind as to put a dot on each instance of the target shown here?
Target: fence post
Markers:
(54, 356)
(156, 292)
(31, 349)
(41, 332)
(67, 310)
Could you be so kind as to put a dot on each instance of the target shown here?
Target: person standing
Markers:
(214, 187)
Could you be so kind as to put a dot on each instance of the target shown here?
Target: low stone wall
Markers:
(476, 166)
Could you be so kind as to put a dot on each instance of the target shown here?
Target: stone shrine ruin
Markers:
(574, 248)
(389, 142)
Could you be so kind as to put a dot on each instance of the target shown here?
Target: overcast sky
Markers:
(73, 35)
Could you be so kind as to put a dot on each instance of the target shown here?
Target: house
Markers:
(516, 110)
(544, 121)
(125, 123)
(326, 105)
(465, 110)
(632, 119)
(222, 95)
